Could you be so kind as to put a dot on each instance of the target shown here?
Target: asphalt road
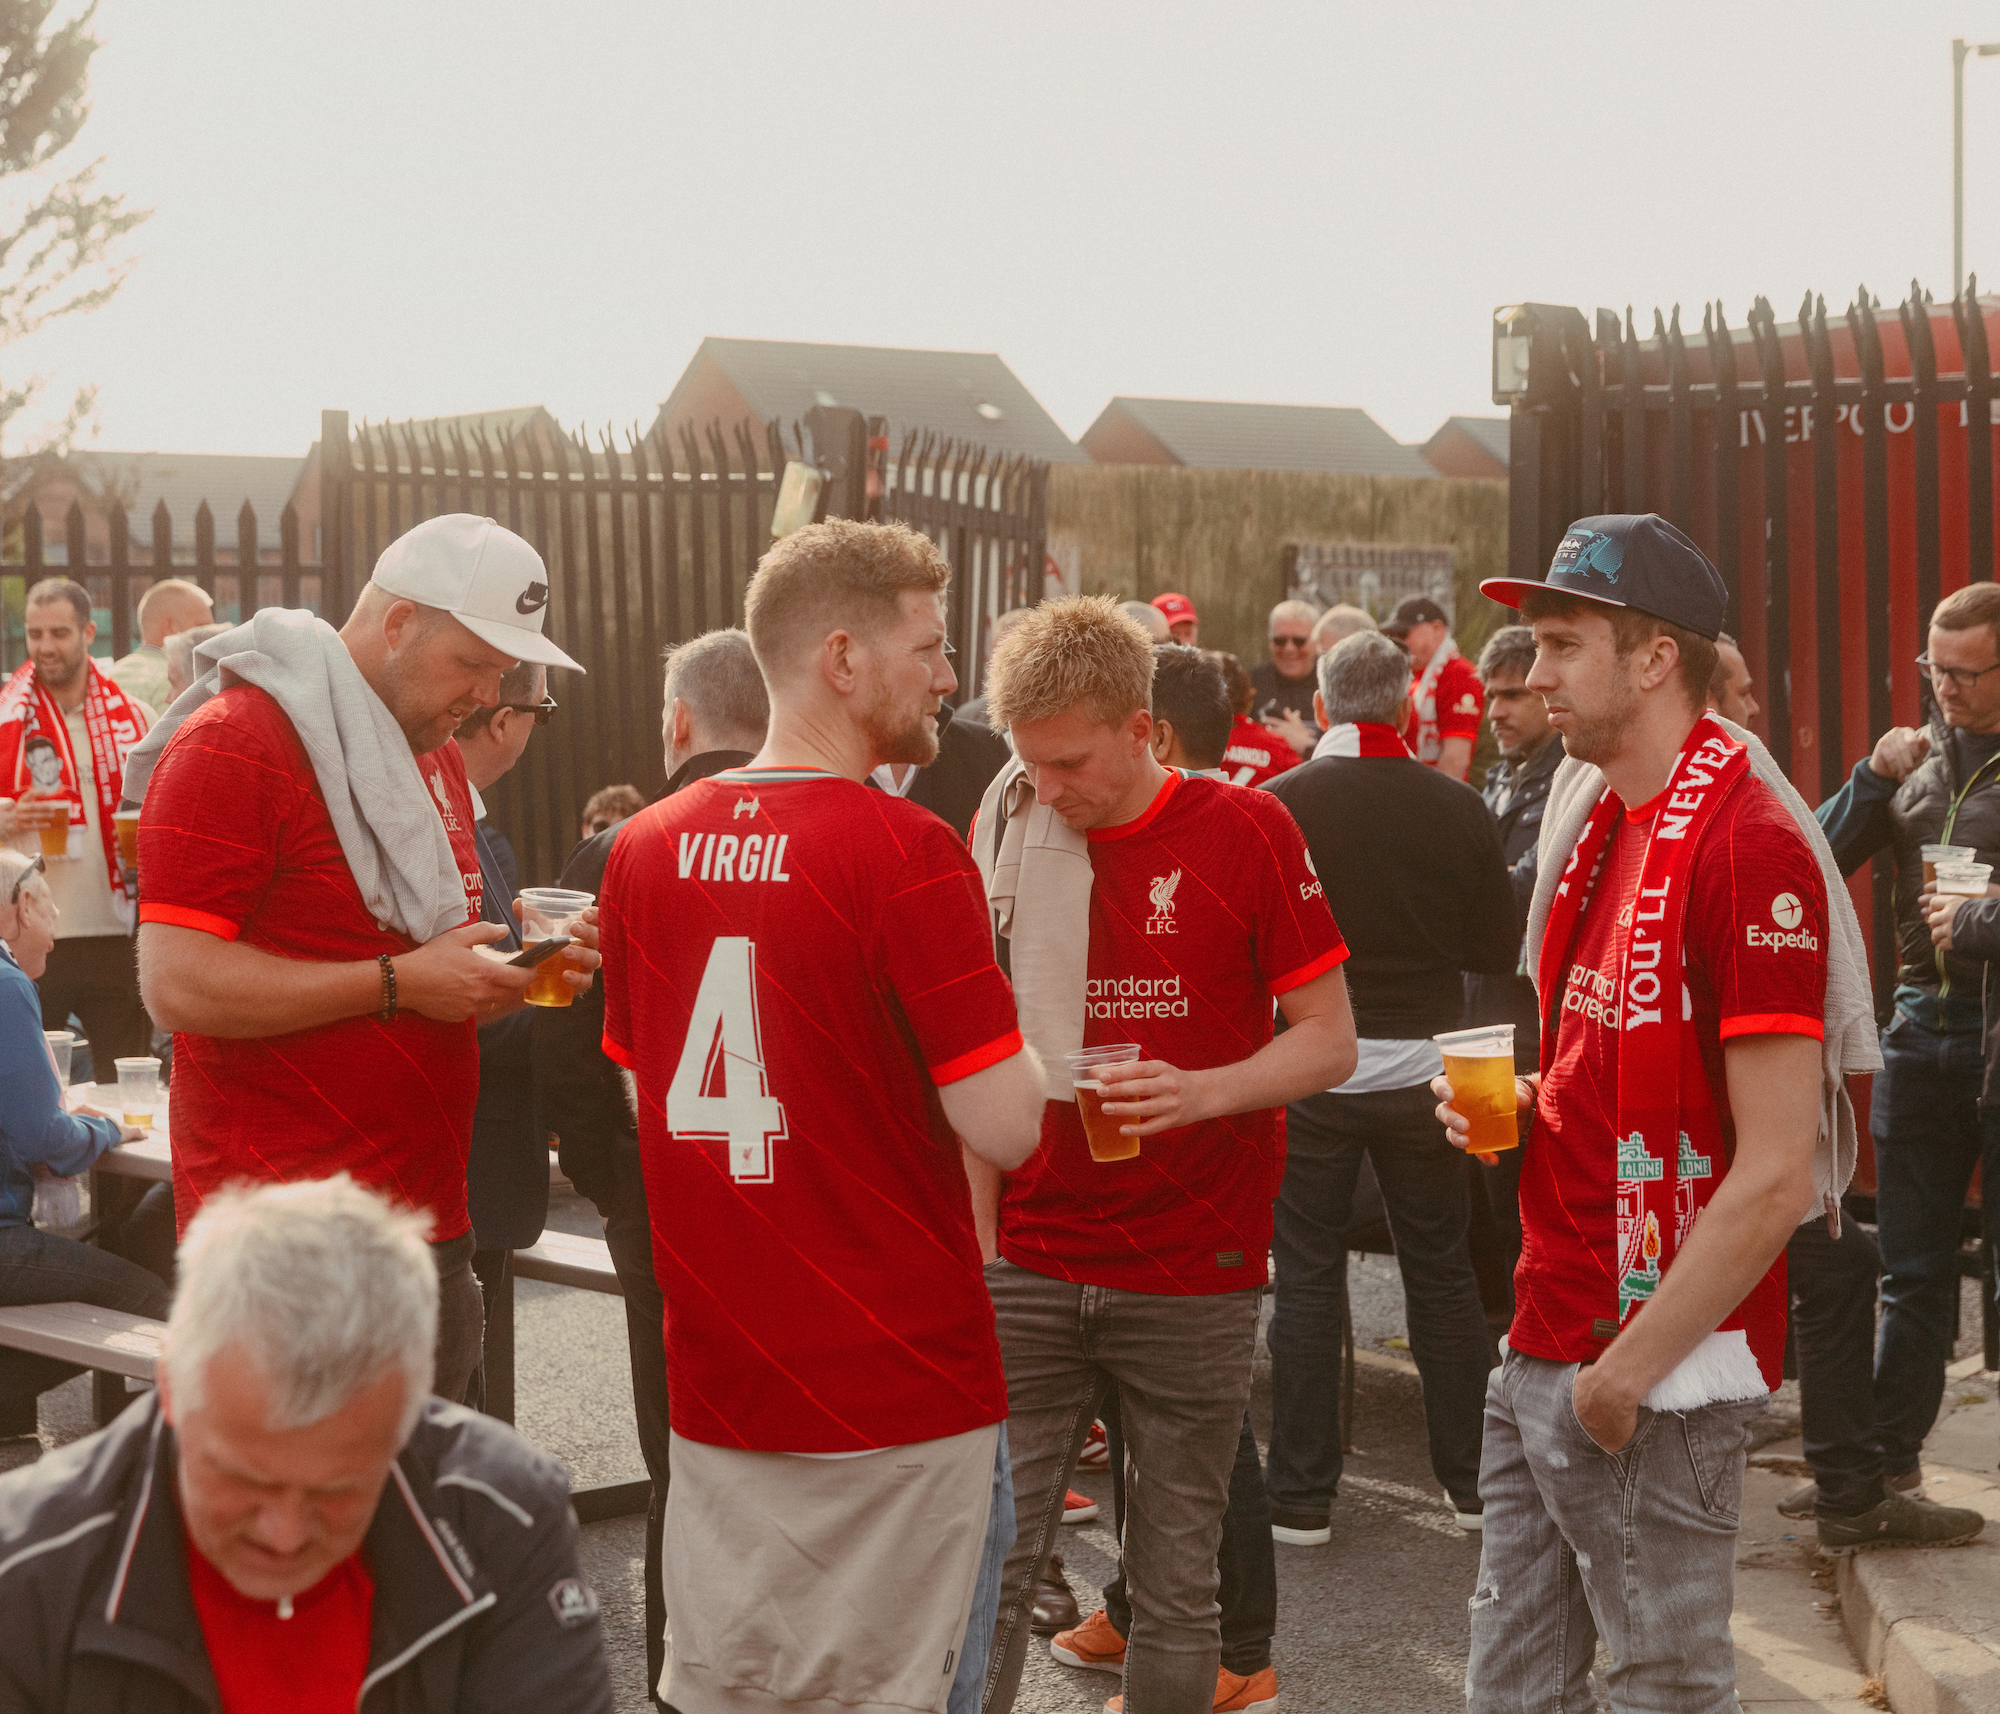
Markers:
(1373, 1623)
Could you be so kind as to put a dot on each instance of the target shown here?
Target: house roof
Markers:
(495, 425)
(1218, 434)
(1489, 432)
(967, 395)
(140, 481)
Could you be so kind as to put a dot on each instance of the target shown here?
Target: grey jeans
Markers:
(461, 1318)
(1637, 1547)
(1182, 1369)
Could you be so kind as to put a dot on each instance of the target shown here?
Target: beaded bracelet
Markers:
(388, 1010)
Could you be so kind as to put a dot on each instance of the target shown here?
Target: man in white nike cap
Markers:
(311, 923)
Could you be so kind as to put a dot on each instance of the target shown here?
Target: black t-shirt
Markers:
(1415, 878)
(1275, 694)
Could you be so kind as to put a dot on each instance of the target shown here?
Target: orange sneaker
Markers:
(1234, 1694)
(1078, 1508)
(1093, 1644)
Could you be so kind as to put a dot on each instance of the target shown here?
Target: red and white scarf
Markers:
(1424, 702)
(27, 711)
(1666, 1175)
(1361, 738)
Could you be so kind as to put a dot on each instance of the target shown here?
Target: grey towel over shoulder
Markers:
(1038, 879)
(389, 827)
(1850, 1043)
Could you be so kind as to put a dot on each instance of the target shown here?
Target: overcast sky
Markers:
(410, 207)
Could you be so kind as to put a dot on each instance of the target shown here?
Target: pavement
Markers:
(1374, 1623)
(1927, 1625)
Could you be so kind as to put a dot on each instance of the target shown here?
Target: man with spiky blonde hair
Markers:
(1143, 906)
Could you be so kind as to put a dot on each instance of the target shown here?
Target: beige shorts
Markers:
(840, 1585)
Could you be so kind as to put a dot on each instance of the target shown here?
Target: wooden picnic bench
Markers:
(116, 1347)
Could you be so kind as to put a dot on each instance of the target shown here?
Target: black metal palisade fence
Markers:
(646, 544)
(1839, 471)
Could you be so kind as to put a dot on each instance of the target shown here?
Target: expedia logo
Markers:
(1787, 913)
(532, 599)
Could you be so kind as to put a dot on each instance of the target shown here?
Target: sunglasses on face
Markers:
(1290, 642)
(543, 711)
(38, 867)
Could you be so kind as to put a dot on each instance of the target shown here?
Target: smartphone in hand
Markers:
(529, 957)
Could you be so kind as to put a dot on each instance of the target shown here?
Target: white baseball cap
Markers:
(486, 577)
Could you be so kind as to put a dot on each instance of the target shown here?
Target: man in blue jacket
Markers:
(36, 1133)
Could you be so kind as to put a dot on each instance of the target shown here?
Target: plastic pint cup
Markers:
(546, 912)
(126, 823)
(1479, 1065)
(1100, 1129)
(138, 1090)
(62, 1043)
(55, 830)
(1936, 854)
(1965, 879)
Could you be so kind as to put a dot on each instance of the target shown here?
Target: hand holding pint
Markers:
(545, 913)
(1478, 1090)
(1103, 1131)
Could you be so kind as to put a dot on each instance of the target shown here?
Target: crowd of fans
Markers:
(944, 1081)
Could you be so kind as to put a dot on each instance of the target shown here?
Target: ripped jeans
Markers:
(1637, 1547)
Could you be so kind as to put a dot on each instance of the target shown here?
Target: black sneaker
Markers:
(1301, 1529)
(1803, 1501)
(1898, 1521)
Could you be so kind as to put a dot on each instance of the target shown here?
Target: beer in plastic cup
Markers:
(1935, 854)
(1100, 1129)
(1479, 1064)
(545, 913)
(1963, 879)
(126, 821)
(62, 1043)
(138, 1090)
(55, 831)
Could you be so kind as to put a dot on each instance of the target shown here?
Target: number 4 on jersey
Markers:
(719, 1091)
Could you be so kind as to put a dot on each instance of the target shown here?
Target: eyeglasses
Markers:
(543, 711)
(1963, 677)
(1290, 642)
(38, 867)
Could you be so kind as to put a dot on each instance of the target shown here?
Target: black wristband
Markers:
(388, 1010)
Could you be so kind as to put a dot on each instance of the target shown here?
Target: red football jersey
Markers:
(235, 840)
(1255, 755)
(1449, 708)
(1202, 910)
(793, 965)
(1755, 964)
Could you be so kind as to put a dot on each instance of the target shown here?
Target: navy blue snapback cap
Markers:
(1630, 560)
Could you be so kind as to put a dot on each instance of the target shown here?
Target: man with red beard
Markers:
(800, 979)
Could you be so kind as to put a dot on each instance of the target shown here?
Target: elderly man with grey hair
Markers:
(1284, 683)
(291, 1506)
(714, 712)
(1411, 863)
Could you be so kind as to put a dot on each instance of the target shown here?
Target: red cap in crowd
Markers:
(1176, 608)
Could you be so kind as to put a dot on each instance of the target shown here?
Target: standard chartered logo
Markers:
(1787, 913)
(1135, 997)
